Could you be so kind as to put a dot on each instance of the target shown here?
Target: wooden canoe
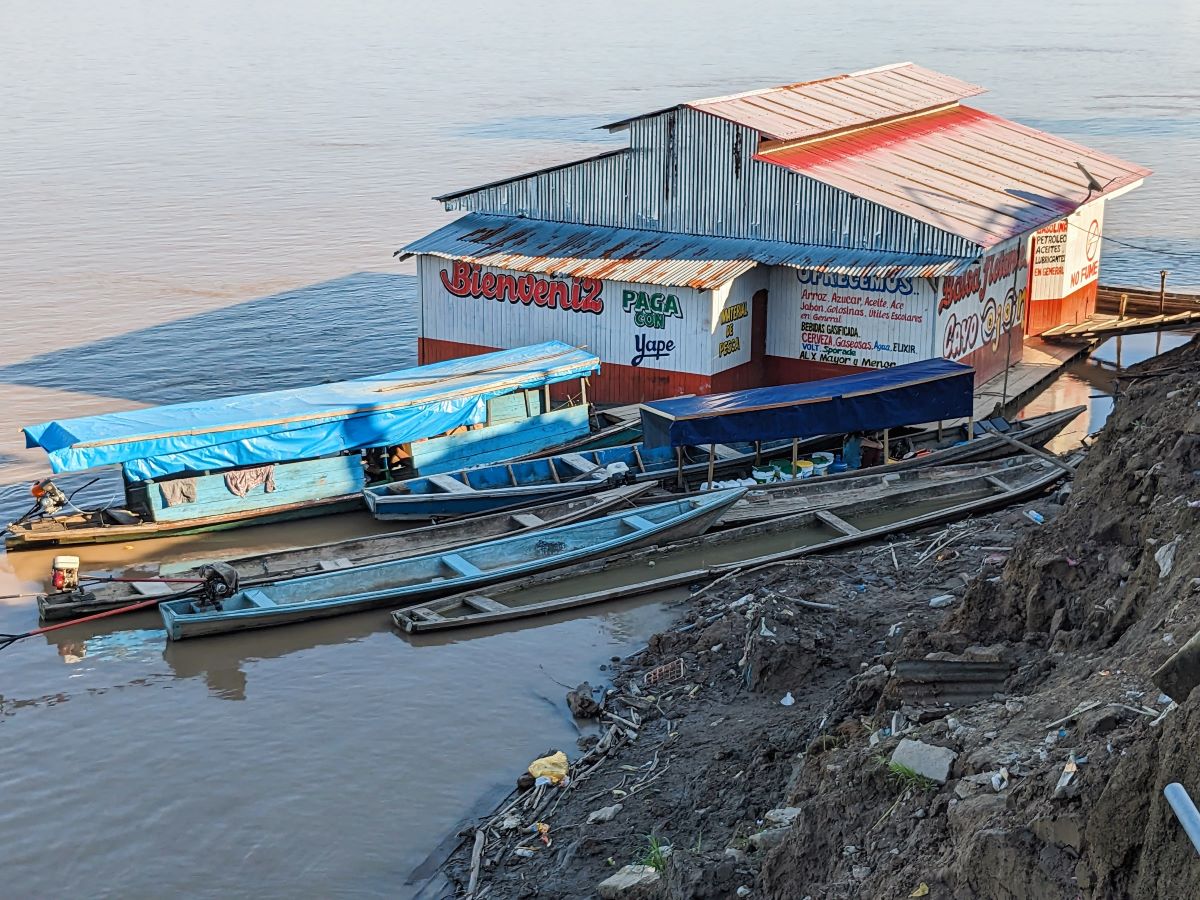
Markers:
(695, 561)
(295, 562)
(487, 488)
(953, 447)
(428, 576)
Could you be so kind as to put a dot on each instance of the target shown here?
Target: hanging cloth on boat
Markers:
(178, 490)
(242, 481)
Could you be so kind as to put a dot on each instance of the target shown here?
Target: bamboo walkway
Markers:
(1099, 326)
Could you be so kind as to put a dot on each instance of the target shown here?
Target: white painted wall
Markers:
(628, 337)
(733, 318)
(871, 322)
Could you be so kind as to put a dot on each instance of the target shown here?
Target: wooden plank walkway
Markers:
(1040, 362)
(1100, 326)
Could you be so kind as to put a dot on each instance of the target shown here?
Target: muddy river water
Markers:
(203, 199)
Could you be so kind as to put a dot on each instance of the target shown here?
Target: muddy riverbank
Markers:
(1020, 653)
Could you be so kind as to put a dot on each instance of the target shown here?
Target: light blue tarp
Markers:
(277, 426)
(924, 391)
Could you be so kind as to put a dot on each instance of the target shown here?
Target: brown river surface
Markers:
(203, 199)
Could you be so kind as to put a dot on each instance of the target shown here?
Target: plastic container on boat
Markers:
(821, 462)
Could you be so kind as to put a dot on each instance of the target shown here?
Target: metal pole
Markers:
(1185, 811)
(1162, 291)
(712, 462)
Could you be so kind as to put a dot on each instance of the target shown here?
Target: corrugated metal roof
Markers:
(809, 108)
(652, 257)
(961, 170)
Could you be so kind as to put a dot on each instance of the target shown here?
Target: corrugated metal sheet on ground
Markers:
(961, 170)
(653, 257)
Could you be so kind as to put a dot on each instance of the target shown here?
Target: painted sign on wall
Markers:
(865, 322)
(733, 320)
(974, 309)
(1066, 253)
(636, 325)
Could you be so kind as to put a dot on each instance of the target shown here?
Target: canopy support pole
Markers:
(545, 398)
(971, 426)
(887, 455)
(795, 454)
(758, 453)
(583, 391)
(712, 464)
(679, 467)
(939, 431)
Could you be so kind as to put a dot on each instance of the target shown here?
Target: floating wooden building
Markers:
(780, 235)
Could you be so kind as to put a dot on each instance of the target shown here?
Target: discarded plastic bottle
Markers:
(1034, 516)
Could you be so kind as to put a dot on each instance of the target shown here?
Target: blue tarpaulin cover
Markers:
(277, 426)
(925, 391)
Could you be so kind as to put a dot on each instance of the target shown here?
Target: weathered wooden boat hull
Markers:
(21, 538)
(486, 488)
(881, 483)
(1034, 432)
(354, 552)
(502, 601)
(318, 596)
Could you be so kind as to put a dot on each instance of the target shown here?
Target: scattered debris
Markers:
(926, 760)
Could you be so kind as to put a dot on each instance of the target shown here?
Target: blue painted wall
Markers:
(295, 482)
(500, 442)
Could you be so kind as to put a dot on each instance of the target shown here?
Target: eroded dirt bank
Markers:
(1035, 746)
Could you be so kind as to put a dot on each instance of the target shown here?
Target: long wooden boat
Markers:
(952, 447)
(296, 562)
(288, 458)
(485, 488)
(697, 561)
(880, 483)
(424, 577)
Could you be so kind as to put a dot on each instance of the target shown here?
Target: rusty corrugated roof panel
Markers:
(652, 257)
(962, 170)
(809, 108)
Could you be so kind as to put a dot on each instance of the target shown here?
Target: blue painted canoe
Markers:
(492, 487)
(421, 578)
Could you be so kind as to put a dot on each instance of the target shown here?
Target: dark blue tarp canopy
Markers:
(307, 422)
(926, 391)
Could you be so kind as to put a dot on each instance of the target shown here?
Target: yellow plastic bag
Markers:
(553, 767)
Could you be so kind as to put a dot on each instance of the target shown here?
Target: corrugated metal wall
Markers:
(693, 173)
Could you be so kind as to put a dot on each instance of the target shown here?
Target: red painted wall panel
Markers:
(1070, 310)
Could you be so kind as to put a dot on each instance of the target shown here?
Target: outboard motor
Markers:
(49, 498)
(64, 573)
(220, 583)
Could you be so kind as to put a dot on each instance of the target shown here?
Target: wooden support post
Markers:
(795, 454)
(1162, 291)
(939, 437)
(679, 467)
(887, 454)
(712, 463)
(1124, 303)
(971, 427)
(758, 453)
(546, 398)
(583, 391)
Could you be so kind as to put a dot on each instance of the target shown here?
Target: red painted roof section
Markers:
(962, 170)
(810, 108)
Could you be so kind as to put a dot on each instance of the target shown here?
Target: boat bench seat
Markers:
(460, 565)
(258, 598)
(577, 462)
(528, 520)
(483, 604)
(450, 485)
(638, 522)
